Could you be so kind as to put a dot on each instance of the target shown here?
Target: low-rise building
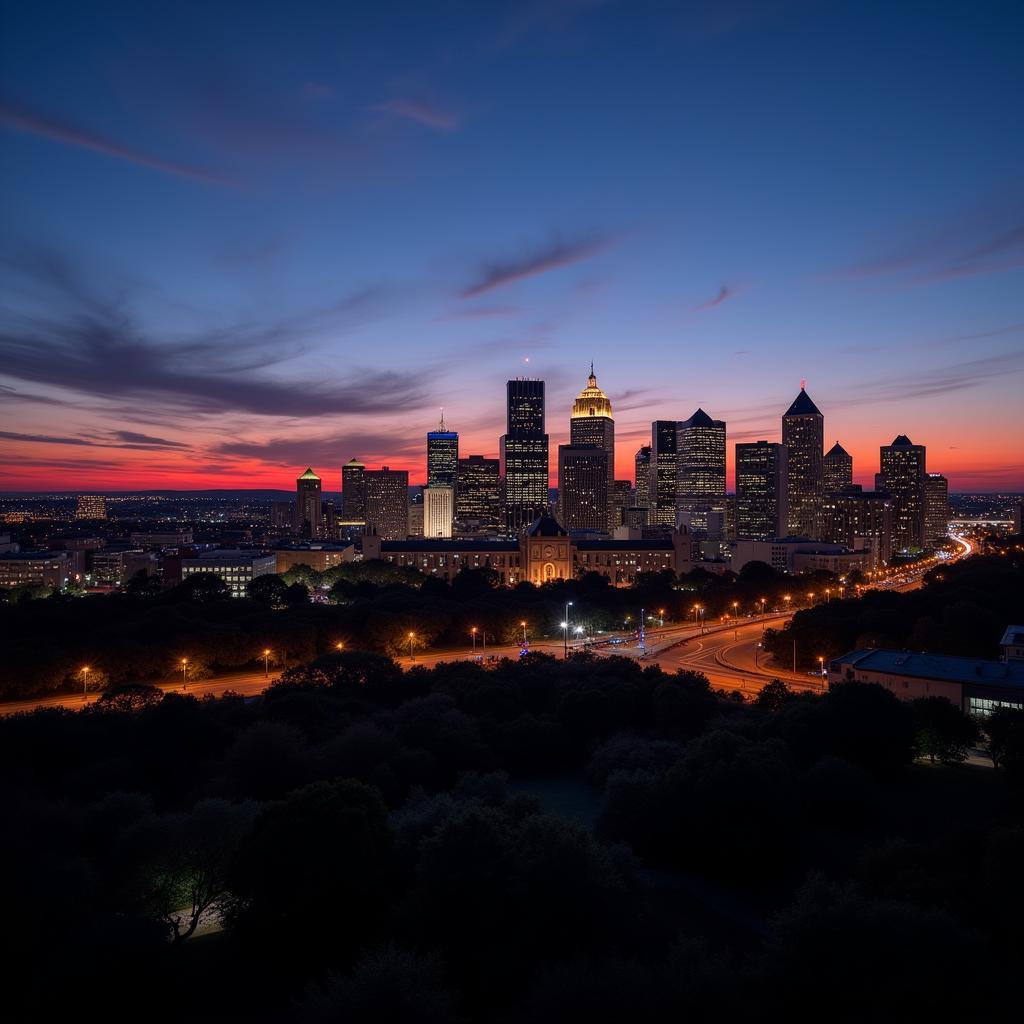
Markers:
(797, 554)
(236, 568)
(114, 568)
(975, 685)
(1012, 643)
(35, 568)
(542, 553)
(161, 538)
(316, 556)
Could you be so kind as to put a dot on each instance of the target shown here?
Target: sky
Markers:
(238, 240)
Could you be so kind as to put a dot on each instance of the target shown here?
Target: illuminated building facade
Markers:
(478, 497)
(524, 455)
(642, 478)
(664, 474)
(761, 490)
(837, 469)
(387, 502)
(583, 498)
(935, 512)
(803, 434)
(700, 442)
(902, 473)
(308, 511)
(591, 424)
(438, 511)
(91, 506)
(353, 491)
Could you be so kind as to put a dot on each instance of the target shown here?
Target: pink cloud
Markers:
(421, 113)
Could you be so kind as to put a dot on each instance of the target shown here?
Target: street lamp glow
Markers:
(184, 670)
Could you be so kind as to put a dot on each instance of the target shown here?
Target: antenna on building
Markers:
(803, 383)
(441, 426)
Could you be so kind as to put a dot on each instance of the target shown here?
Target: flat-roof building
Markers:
(236, 568)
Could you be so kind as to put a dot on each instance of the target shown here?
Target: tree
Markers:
(181, 861)
(774, 695)
(142, 584)
(758, 574)
(942, 732)
(269, 590)
(203, 588)
(1005, 729)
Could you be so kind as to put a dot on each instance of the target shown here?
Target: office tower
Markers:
(622, 498)
(330, 520)
(837, 469)
(803, 434)
(353, 491)
(415, 513)
(642, 477)
(583, 500)
(91, 506)
(853, 516)
(664, 474)
(700, 442)
(478, 499)
(935, 499)
(901, 473)
(308, 512)
(438, 511)
(524, 455)
(442, 456)
(761, 491)
(282, 515)
(387, 502)
(591, 423)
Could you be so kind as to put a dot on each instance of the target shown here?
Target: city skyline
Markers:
(225, 264)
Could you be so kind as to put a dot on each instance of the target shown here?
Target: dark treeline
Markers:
(142, 635)
(357, 830)
(962, 609)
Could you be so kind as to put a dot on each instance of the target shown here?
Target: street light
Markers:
(821, 665)
(473, 632)
(184, 670)
(578, 630)
(661, 615)
(565, 639)
(523, 624)
(412, 636)
(339, 646)
(266, 662)
(85, 680)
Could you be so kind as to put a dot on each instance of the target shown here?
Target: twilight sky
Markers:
(240, 239)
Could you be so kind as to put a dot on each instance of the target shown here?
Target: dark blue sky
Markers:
(260, 236)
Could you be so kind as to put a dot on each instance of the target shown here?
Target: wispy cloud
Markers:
(125, 440)
(553, 256)
(323, 451)
(34, 123)
(478, 313)
(724, 294)
(421, 113)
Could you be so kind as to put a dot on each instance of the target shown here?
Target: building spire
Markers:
(593, 380)
(441, 424)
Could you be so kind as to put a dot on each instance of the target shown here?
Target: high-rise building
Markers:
(308, 512)
(442, 457)
(524, 455)
(438, 511)
(664, 477)
(353, 491)
(761, 490)
(642, 478)
(803, 434)
(387, 502)
(583, 499)
(591, 423)
(478, 499)
(859, 519)
(622, 498)
(282, 515)
(91, 506)
(935, 499)
(901, 473)
(837, 469)
(700, 442)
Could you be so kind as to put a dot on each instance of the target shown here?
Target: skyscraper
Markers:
(622, 498)
(353, 491)
(387, 502)
(664, 474)
(308, 514)
(438, 511)
(642, 478)
(700, 442)
(524, 455)
(837, 469)
(935, 499)
(901, 473)
(91, 506)
(591, 423)
(478, 501)
(442, 456)
(803, 434)
(583, 500)
(761, 491)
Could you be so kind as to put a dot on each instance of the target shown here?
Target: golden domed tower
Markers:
(584, 502)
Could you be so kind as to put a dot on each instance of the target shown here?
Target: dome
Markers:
(592, 401)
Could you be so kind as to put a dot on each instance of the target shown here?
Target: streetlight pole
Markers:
(565, 638)
(523, 624)
(85, 680)
(473, 632)
(266, 662)
(184, 670)
(411, 656)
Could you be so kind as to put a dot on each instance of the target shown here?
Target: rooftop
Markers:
(803, 406)
(1013, 637)
(453, 546)
(936, 666)
(545, 526)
